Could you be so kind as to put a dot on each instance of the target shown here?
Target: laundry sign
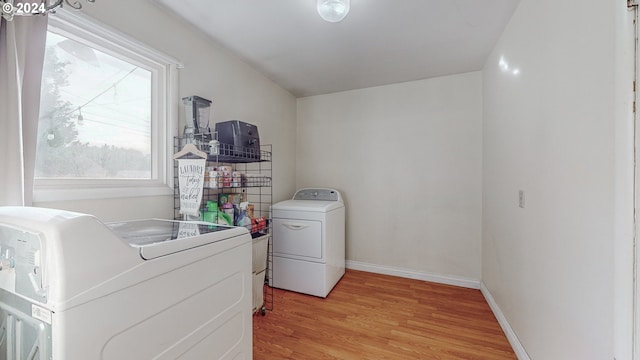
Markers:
(190, 181)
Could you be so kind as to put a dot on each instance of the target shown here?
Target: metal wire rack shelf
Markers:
(254, 185)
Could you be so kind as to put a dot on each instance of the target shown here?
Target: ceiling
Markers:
(379, 42)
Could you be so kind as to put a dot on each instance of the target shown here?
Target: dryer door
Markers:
(298, 239)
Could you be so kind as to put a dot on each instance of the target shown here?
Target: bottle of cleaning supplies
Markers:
(243, 219)
(225, 219)
(211, 214)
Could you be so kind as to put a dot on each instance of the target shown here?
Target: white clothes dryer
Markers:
(309, 242)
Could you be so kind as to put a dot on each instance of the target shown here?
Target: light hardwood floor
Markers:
(372, 316)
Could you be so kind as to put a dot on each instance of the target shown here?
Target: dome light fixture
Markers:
(333, 10)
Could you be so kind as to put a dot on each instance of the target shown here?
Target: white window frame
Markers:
(164, 115)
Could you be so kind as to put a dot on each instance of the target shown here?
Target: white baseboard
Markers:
(521, 353)
(412, 274)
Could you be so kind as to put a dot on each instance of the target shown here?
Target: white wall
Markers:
(237, 90)
(407, 159)
(553, 131)
(624, 120)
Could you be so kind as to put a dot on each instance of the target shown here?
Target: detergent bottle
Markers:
(243, 218)
(211, 214)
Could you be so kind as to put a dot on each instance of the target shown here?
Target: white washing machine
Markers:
(73, 288)
(309, 242)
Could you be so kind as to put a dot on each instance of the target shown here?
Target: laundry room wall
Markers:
(407, 159)
(238, 92)
(557, 126)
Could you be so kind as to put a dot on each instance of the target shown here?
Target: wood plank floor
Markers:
(372, 316)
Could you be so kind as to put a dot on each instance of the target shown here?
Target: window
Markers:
(105, 105)
(95, 117)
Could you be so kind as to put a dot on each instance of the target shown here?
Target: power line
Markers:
(102, 92)
(145, 132)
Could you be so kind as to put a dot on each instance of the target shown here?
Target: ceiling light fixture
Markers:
(333, 10)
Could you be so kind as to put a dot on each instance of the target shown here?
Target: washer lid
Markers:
(308, 205)
(155, 238)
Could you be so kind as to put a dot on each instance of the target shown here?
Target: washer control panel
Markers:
(21, 263)
(318, 194)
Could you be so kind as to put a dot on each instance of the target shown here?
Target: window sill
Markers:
(67, 193)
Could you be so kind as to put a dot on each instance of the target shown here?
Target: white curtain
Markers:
(22, 45)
